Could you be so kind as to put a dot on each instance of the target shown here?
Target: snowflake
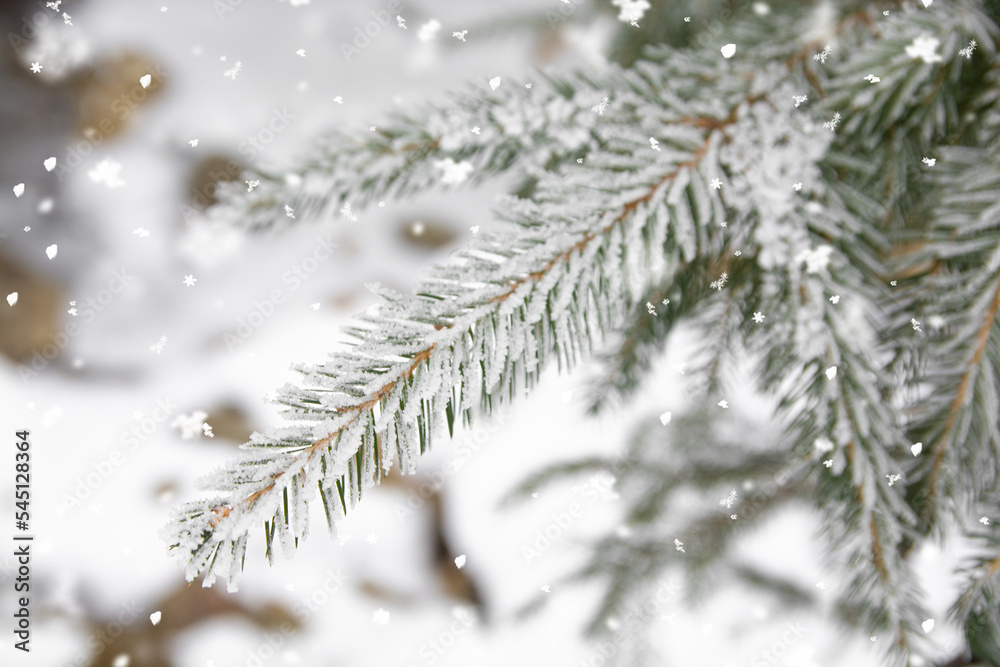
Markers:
(728, 501)
(824, 54)
(835, 299)
(716, 184)
(828, 463)
(929, 161)
(36, 67)
(967, 51)
(159, 345)
(474, 229)
(679, 545)
(252, 184)
(654, 144)
(833, 122)
(651, 309)
(193, 142)
(189, 281)
(107, 172)
(600, 107)
(381, 616)
(428, 31)
(372, 538)
(460, 36)
(631, 11)
(915, 324)
(346, 211)
(666, 302)
(454, 173)
(738, 253)
(67, 19)
(207, 430)
(339, 99)
(289, 212)
(831, 372)
(231, 73)
(815, 260)
(400, 21)
(797, 187)
(720, 283)
(893, 479)
(924, 47)
(823, 445)
(985, 520)
(724, 404)
(189, 425)
(871, 78)
(800, 99)
(141, 232)
(476, 130)
(758, 317)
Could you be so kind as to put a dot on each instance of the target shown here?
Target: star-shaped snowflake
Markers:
(372, 538)
(924, 47)
(723, 404)
(189, 281)
(36, 67)
(758, 317)
(716, 184)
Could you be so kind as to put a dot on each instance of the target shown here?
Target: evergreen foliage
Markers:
(878, 273)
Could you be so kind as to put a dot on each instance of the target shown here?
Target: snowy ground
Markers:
(92, 557)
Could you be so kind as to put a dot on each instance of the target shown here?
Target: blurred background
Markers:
(132, 330)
